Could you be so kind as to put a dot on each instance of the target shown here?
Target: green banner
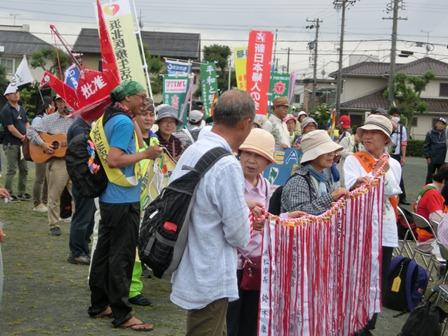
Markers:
(175, 91)
(209, 85)
(279, 86)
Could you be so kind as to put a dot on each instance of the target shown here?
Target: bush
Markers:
(415, 148)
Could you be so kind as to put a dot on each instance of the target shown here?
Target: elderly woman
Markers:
(375, 137)
(168, 121)
(307, 125)
(256, 153)
(312, 190)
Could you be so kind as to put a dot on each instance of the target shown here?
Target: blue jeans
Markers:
(81, 226)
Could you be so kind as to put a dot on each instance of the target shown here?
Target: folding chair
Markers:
(429, 259)
(404, 247)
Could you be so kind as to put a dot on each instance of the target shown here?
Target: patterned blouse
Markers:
(173, 145)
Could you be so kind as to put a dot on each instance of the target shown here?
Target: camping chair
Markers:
(405, 248)
(429, 259)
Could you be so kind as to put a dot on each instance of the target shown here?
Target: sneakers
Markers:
(55, 231)
(40, 208)
(81, 260)
(24, 197)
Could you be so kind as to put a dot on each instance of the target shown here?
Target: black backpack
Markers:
(163, 231)
(88, 184)
(425, 320)
(275, 202)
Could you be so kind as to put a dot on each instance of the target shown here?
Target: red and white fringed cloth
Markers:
(321, 274)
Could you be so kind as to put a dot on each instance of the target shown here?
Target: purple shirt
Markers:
(260, 194)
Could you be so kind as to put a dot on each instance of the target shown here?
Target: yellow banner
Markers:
(240, 59)
(120, 25)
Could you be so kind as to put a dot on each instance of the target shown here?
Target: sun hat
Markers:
(195, 116)
(345, 121)
(302, 113)
(378, 122)
(260, 142)
(289, 117)
(166, 111)
(280, 101)
(317, 143)
(307, 121)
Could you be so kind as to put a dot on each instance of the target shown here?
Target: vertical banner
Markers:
(175, 91)
(176, 67)
(292, 86)
(120, 25)
(279, 86)
(259, 56)
(209, 85)
(240, 61)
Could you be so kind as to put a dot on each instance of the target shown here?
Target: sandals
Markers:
(137, 326)
(105, 313)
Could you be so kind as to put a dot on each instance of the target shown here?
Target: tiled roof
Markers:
(377, 99)
(380, 69)
(21, 42)
(166, 44)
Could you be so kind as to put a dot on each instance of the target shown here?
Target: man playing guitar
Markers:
(57, 177)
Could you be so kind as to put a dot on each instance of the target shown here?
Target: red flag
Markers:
(92, 95)
(259, 56)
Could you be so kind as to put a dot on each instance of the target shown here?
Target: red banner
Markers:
(92, 94)
(259, 54)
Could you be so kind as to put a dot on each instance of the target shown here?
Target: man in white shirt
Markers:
(279, 129)
(399, 142)
(206, 279)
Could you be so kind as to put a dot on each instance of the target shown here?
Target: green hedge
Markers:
(415, 148)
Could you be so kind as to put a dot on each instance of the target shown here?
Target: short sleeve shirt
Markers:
(11, 116)
(431, 201)
(120, 134)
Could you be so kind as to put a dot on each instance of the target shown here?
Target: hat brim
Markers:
(370, 127)
(322, 149)
(179, 122)
(252, 149)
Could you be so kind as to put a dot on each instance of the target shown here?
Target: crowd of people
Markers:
(211, 282)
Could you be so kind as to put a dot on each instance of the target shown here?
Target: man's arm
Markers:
(117, 158)
(13, 130)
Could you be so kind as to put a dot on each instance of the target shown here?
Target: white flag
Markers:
(21, 77)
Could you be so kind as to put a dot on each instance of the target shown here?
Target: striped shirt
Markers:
(53, 123)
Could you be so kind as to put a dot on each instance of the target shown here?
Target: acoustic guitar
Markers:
(59, 143)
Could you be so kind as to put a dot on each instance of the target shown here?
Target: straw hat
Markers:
(280, 101)
(317, 143)
(260, 142)
(378, 122)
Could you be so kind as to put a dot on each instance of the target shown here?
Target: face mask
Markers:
(396, 119)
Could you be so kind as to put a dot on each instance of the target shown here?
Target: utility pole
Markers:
(343, 4)
(315, 25)
(275, 52)
(287, 59)
(394, 6)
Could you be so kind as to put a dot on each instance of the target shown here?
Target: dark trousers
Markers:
(81, 226)
(403, 195)
(242, 315)
(113, 260)
(432, 168)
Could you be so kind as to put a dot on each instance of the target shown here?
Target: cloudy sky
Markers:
(228, 22)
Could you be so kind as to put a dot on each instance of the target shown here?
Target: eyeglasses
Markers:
(282, 106)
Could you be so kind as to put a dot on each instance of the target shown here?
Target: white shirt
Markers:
(397, 139)
(353, 169)
(279, 131)
(219, 225)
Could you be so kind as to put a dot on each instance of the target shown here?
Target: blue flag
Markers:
(72, 76)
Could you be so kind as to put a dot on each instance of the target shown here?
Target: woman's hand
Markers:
(260, 216)
(4, 193)
(296, 214)
(338, 193)
(360, 181)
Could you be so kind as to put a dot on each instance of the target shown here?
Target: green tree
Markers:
(220, 55)
(51, 59)
(408, 90)
(321, 114)
(156, 67)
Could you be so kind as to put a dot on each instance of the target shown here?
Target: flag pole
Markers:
(142, 50)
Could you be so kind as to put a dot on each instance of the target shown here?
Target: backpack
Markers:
(164, 228)
(425, 320)
(80, 157)
(406, 284)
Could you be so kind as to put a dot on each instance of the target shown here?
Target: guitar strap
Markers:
(114, 175)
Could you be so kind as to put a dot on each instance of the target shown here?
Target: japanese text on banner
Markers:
(175, 91)
(240, 61)
(209, 85)
(258, 68)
